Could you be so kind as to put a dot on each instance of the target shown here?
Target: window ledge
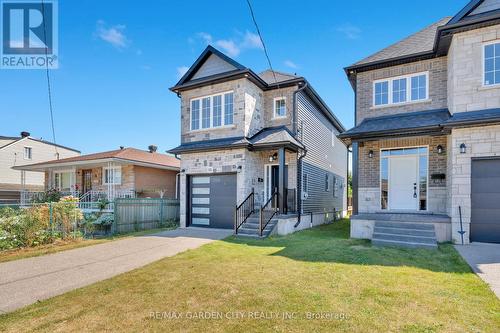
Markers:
(212, 128)
(489, 87)
(385, 106)
(279, 117)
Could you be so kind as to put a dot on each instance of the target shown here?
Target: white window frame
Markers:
(116, 167)
(483, 60)
(30, 149)
(200, 118)
(275, 115)
(408, 78)
(71, 179)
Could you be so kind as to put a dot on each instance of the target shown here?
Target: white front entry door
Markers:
(403, 191)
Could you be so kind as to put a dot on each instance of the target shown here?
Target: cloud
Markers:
(113, 35)
(252, 41)
(231, 46)
(350, 31)
(146, 67)
(291, 64)
(181, 71)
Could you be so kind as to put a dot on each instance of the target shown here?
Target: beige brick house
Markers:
(426, 141)
(121, 173)
(253, 143)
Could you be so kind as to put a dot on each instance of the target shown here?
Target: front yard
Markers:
(315, 280)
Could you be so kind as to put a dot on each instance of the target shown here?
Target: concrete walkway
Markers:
(25, 281)
(484, 259)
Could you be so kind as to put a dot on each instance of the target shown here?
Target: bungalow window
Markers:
(27, 153)
(63, 181)
(112, 175)
(279, 107)
(382, 93)
(492, 64)
(209, 111)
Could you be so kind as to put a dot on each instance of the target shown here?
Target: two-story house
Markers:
(257, 150)
(21, 150)
(426, 141)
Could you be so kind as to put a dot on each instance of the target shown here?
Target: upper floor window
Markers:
(410, 88)
(491, 64)
(327, 182)
(279, 107)
(212, 111)
(27, 153)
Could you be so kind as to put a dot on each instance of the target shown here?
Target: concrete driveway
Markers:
(484, 259)
(26, 281)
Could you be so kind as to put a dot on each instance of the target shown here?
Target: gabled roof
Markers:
(8, 140)
(419, 42)
(432, 41)
(131, 155)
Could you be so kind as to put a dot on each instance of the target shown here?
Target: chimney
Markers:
(152, 148)
(25, 134)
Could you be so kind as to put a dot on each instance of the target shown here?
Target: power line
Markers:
(262, 41)
(49, 90)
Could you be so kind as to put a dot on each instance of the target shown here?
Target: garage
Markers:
(485, 200)
(212, 201)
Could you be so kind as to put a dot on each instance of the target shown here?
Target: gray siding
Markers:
(213, 65)
(315, 131)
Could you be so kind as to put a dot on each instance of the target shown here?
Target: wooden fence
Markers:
(135, 214)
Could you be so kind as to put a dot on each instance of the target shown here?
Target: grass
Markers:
(272, 285)
(63, 245)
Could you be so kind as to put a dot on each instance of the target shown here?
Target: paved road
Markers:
(23, 282)
(484, 259)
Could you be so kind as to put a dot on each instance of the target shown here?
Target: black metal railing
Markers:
(243, 211)
(268, 211)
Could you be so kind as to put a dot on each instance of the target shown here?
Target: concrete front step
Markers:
(252, 229)
(380, 242)
(404, 238)
(404, 231)
(406, 234)
(405, 225)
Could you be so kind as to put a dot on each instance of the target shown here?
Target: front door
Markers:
(403, 183)
(86, 181)
(272, 177)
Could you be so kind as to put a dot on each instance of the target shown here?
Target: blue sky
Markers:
(117, 60)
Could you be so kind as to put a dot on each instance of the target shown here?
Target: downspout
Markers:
(299, 160)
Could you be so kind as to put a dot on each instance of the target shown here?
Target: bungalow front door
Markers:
(271, 180)
(86, 181)
(403, 192)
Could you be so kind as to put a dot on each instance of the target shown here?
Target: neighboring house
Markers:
(252, 140)
(426, 139)
(121, 173)
(16, 151)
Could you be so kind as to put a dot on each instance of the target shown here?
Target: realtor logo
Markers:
(28, 34)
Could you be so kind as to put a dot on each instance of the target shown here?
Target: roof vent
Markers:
(152, 148)
(25, 134)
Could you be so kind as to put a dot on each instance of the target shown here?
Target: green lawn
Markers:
(63, 245)
(357, 287)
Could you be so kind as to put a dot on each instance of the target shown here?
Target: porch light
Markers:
(238, 169)
(439, 149)
(463, 148)
(370, 154)
(183, 170)
(273, 157)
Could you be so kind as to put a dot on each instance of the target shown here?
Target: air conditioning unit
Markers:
(305, 195)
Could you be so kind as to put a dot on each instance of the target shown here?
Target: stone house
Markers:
(21, 150)
(253, 143)
(121, 173)
(426, 151)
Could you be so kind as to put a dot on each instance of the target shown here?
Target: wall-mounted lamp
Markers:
(239, 168)
(183, 170)
(439, 149)
(463, 148)
(273, 157)
(370, 154)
